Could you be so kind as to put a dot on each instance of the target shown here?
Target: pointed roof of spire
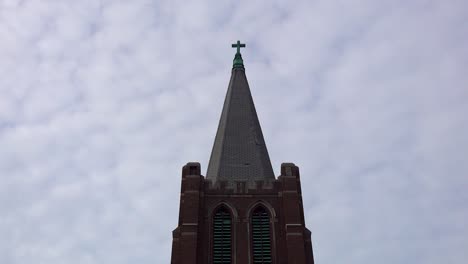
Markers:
(239, 151)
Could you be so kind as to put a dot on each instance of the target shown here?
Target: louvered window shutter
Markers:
(222, 242)
(261, 241)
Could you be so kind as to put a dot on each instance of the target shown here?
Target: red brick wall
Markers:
(192, 239)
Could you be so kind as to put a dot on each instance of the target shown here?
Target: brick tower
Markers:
(240, 213)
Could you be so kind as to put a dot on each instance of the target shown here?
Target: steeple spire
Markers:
(239, 151)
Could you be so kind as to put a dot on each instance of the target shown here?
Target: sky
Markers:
(103, 102)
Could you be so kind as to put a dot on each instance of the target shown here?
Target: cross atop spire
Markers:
(238, 45)
(238, 62)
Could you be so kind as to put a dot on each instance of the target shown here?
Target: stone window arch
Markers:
(261, 238)
(222, 235)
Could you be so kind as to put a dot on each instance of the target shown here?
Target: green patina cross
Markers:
(238, 45)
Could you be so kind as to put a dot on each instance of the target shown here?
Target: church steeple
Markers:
(239, 212)
(239, 151)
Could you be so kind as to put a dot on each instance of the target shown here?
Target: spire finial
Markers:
(238, 62)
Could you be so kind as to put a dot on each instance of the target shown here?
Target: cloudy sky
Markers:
(102, 102)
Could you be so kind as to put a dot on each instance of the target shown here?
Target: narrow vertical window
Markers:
(222, 241)
(261, 240)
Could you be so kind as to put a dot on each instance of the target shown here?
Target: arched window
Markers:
(261, 238)
(222, 236)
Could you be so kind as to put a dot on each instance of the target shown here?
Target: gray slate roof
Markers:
(239, 151)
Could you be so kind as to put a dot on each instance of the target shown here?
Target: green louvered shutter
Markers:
(261, 241)
(222, 237)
